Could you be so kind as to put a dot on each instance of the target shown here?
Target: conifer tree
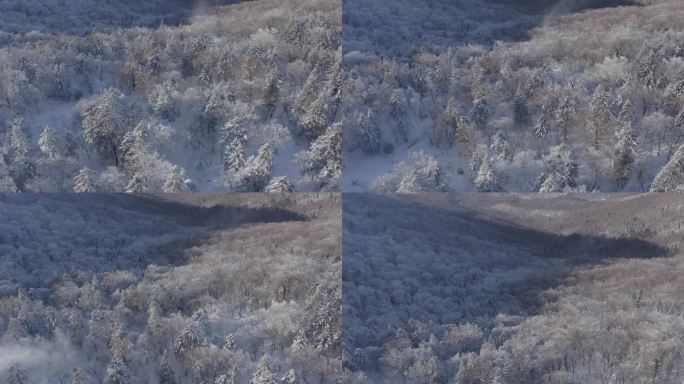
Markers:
(84, 183)
(47, 143)
(486, 181)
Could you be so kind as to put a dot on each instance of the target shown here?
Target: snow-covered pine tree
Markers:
(671, 177)
(279, 184)
(6, 182)
(80, 377)
(542, 127)
(251, 66)
(485, 180)
(397, 103)
(409, 183)
(647, 69)
(212, 113)
(565, 115)
(289, 378)
(175, 181)
(333, 85)
(306, 97)
(562, 162)
(315, 118)
(271, 93)
(47, 142)
(165, 373)
(117, 371)
(521, 113)
(479, 112)
(262, 374)
(19, 140)
(551, 184)
(137, 184)
(163, 102)
(599, 117)
(625, 154)
(626, 115)
(104, 122)
(322, 163)
(500, 146)
(132, 147)
(369, 132)
(232, 130)
(234, 156)
(256, 173)
(84, 183)
(16, 374)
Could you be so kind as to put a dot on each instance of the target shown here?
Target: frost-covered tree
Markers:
(19, 140)
(47, 142)
(479, 114)
(233, 130)
(279, 184)
(234, 156)
(271, 93)
(315, 117)
(163, 102)
(84, 182)
(193, 335)
(306, 97)
(541, 130)
(625, 155)
(485, 180)
(322, 163)
(671, 176)
(104, 123)
(137, 184)
(256, 172)
(262, 374)
(562, 164)
(165, 373)
(212, 113)
(6, 182)
(289, 377)
(16, 374)
(565, 115)
(647, 69)
(132, 148)
(175, 182)
(420, 173)
(369, 132)
(397, 103)
(521, 113)
(117, 371)
(551, 183)
(599, 117)
(500, 146)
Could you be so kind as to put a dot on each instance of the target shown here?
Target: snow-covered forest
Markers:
(170, 96)
(513, 289)
(513, 95)
(169, 289)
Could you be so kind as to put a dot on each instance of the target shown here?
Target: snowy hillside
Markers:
(114, 288)
(512, 96)
(468, 288)
(238, 97)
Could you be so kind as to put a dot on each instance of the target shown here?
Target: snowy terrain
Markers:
(529, 96)
(518, 288)
(196, 288)
(170, 96)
